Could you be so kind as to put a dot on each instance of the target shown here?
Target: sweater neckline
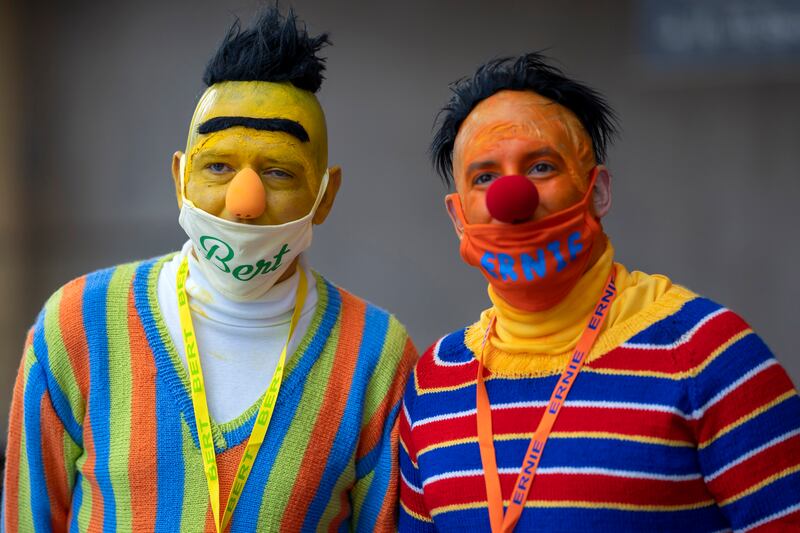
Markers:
(555, 330)
(612, 336)
(273, 308)
(233, 432)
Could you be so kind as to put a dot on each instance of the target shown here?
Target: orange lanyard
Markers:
(504, 522)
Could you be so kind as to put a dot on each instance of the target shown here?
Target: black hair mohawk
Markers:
(527, 72)
(275, 48)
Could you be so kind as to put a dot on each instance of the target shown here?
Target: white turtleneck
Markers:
(239, 342)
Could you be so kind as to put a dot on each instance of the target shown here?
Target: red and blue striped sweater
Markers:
(688, 424)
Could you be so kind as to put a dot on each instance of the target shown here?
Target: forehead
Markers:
(264, 145)
(254, 99)
(521, 116)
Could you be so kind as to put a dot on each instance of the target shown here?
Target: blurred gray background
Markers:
(95, 97)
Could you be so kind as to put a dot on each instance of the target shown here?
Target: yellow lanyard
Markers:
(200, 404)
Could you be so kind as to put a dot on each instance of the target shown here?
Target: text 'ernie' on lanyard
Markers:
(505, 521)
(576, 362)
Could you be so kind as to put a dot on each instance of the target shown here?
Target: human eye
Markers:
(278, 173)
(542, 168)
(484, 178)
(219, 168)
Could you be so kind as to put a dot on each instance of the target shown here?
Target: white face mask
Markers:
(243, 261)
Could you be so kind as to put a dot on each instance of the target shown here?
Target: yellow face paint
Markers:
(289, 168)
(523, 133)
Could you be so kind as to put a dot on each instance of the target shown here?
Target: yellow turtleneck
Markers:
(535, 344)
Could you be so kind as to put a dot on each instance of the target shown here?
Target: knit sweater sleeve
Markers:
(414, 516)
(41, 453)
(374, 497)
(746, 420)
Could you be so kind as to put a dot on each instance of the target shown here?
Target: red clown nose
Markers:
(512, 199)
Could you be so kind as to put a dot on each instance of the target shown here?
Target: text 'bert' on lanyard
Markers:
(505, 521)
(200, 404)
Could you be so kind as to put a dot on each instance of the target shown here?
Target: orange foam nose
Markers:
(246, 197)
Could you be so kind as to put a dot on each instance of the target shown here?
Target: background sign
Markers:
(720, 31)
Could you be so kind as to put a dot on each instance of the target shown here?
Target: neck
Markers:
(555, 330)
(275, 306)
(539, 343)
(286, 275)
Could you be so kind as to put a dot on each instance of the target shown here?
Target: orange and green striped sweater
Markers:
(102, 434)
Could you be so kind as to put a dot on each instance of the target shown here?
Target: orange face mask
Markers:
(533, 265)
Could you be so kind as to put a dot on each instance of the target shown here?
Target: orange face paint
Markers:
(523, 133)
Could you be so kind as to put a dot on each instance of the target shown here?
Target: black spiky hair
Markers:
(275, 48)
(529, 72)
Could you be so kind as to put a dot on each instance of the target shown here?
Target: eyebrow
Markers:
(530, 155)
(285, 125)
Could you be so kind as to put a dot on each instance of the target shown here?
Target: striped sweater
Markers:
(102, 434)
(685, 423)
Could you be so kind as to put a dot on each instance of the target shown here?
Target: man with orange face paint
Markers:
(226, 387)
(588, 397)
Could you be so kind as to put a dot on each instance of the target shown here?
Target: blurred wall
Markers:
(705, 175)
(13, 262)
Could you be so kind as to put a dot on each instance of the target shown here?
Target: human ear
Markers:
(601, 195)
(176, 176)
(326, 204)
(449, 202)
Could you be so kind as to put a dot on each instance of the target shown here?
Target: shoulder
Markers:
(81, 305)
(447, 365)
(75, 318)
(701, 338)
(698, 323)
(448, 352)
(664, 315)
(376, 331)
(103, 286)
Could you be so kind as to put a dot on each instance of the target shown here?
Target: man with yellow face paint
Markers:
(588, 397)
(227, 387)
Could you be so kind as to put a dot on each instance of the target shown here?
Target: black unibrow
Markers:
(266, 124)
